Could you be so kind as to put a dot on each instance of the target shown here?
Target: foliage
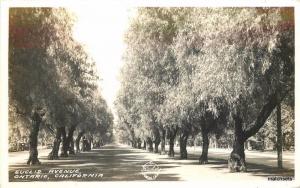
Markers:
(48, 69)
(185, 64)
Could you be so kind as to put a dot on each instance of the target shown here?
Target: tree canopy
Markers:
(50, 70)
(185, 67)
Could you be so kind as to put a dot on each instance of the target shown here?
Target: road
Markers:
(122, 163)
(268, 158)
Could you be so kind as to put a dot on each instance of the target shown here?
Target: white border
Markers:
(134, 3)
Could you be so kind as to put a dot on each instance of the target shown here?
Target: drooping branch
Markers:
(130, 129)
(265, 112)
(50, 129)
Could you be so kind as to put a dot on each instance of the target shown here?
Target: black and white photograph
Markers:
(116, 92)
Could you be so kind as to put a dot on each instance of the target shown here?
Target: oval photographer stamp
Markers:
(150, 170)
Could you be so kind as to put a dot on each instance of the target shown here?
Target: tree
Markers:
(52, 80)
(234, 53)
(32, 34)
(229, 68)
(149, 40)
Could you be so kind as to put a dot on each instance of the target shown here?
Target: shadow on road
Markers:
(255, 169)
(221, 164)
(115, 163)
(119, 163)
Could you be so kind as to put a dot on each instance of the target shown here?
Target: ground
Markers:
(117, 162)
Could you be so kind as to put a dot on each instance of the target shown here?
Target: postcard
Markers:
(115, 93)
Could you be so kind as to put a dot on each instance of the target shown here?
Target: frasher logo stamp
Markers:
(150, 170)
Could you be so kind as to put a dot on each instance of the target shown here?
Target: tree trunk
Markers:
(53, 155)
(150, 144)
(77, 141)
(89, 144)
(65, 143)
(144, 146)
(279, 137)
(156, 139)
(163, 141)
(236, 161)
(156, 144)
(71, 147)
(205, 143)
(70, 141)
(33, 139)
(183, 141)
(133, 143)
(139, 143)
(172, 135)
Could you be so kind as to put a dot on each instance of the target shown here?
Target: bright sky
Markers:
(101, 30)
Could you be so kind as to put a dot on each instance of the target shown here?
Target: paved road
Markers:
(120, 163)
(268, 158)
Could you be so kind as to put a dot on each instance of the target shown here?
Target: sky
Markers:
(101, 30)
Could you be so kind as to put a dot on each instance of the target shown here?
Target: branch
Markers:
(21, 113)
(265, 112)
(49, 129)
(130, 129)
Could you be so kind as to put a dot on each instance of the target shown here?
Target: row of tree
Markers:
(53, 82)
(208, 71)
